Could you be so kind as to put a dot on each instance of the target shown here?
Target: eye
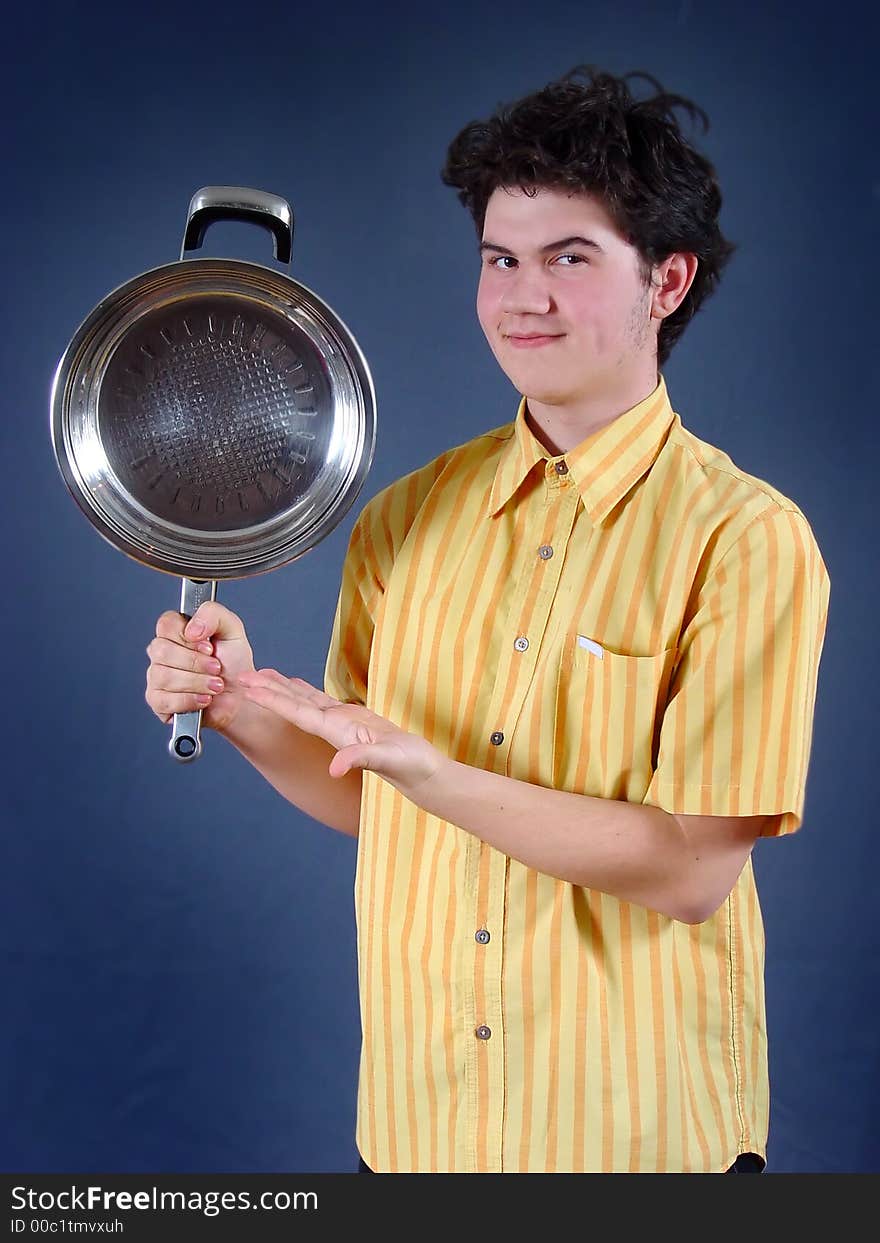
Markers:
(497, 260)
(574, 259)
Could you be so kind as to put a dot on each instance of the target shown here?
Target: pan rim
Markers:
(239, 552)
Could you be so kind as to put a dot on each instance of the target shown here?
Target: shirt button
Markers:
(545, 552)
(521, 643)
(561, 468)
(482, 935)
(483, 1032)
(497, 738)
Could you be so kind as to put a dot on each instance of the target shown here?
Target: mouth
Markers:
(526, 341)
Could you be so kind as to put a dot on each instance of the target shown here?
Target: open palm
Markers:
(362, 738)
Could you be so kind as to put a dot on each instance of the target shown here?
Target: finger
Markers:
(268, 677)
(268, 691)
(302, 688)
(296, 689)
(298, 686)
(315, 693)
(180, 656)
(286, 703)
(271, 679)
(213, 620)
(165, 704)
(171, 626)
(163, 678)
(360, 755)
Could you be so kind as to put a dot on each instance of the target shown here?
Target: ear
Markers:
(671, 280)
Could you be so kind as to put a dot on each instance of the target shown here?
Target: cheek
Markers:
(604, 315)
(487, 305)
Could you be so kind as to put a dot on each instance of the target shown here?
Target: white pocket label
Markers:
(591, 645)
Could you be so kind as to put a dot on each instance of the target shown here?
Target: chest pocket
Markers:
(608, 713)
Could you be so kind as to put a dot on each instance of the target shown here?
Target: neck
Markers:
(561, 426)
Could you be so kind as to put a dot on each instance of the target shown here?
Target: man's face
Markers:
(561, 298)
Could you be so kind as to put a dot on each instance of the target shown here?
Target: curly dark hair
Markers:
(595, 136)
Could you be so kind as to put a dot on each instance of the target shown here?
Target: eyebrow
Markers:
(563, 242)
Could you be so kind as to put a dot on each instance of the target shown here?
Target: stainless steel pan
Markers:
(213, 418)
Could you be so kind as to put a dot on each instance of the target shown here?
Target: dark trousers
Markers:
(746, 1163)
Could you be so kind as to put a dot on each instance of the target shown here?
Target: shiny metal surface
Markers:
(185, 743)
(239, 203)
(213, 418)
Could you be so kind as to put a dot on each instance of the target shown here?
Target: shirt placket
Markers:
(547, 537)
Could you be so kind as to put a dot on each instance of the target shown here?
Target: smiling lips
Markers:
(531, 341)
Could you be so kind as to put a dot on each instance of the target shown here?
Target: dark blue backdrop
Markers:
(177, 942)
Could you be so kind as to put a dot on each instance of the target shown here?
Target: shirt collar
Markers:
(604, 466)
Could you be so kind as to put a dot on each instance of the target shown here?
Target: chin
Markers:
(538, 388)
(532, 383)
(542, 397)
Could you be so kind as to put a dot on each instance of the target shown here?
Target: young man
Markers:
(571, 680)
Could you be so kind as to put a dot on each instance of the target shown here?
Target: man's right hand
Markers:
(182, 664)
(195, 665)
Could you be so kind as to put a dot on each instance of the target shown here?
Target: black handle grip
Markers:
(213, 203)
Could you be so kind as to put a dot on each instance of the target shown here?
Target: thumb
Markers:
(347, 758)
(212, 619)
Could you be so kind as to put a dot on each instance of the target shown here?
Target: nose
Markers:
(526, 292)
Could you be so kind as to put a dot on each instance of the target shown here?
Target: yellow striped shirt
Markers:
(635, 619)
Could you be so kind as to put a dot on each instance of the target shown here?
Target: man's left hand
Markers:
(362, 738)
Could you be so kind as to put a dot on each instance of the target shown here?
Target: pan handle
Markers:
(186, 744)
(213, 203)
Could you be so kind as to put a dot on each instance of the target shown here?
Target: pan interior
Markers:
(216, 414)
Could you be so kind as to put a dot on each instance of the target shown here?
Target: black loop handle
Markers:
(213, 203)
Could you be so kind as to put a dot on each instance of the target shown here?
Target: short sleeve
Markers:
(376, 539)
(360, 591)
(736, 732)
